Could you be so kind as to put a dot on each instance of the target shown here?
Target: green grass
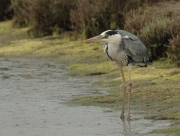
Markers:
(91, 69)
(173, 130)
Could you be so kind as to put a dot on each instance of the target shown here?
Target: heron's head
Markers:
(110, 36)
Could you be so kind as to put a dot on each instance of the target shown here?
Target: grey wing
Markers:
(125, 34)
(135, 49)
(131, 50)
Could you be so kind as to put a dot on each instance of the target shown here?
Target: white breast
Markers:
(110, 51)
(112, 46)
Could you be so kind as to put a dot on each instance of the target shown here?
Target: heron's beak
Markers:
(93, 39)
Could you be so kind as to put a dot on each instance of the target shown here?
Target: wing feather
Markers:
(133, 47)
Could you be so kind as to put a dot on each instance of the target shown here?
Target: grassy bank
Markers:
(156, 89)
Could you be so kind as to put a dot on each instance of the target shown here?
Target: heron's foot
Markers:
(122, 117)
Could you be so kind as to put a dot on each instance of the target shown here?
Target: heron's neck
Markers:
(114, 39)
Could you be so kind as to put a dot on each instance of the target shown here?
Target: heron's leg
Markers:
(129, 89)
(124, 95)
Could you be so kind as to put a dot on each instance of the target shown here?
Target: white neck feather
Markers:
(114, 39)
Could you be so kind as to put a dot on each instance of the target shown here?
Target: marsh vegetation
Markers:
(45, 29)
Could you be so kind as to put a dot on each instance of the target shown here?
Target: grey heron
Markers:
(125, 49)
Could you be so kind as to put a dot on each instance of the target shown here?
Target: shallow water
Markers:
(32, 96)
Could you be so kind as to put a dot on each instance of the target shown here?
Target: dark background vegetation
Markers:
(159, 32)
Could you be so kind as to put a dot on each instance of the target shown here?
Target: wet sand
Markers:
(33, 93)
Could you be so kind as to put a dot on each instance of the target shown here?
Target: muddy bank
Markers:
(33, 93)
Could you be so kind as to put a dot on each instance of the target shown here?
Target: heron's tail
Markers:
(150, 62)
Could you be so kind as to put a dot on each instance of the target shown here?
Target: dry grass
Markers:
(8, 33)
(172, 7)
